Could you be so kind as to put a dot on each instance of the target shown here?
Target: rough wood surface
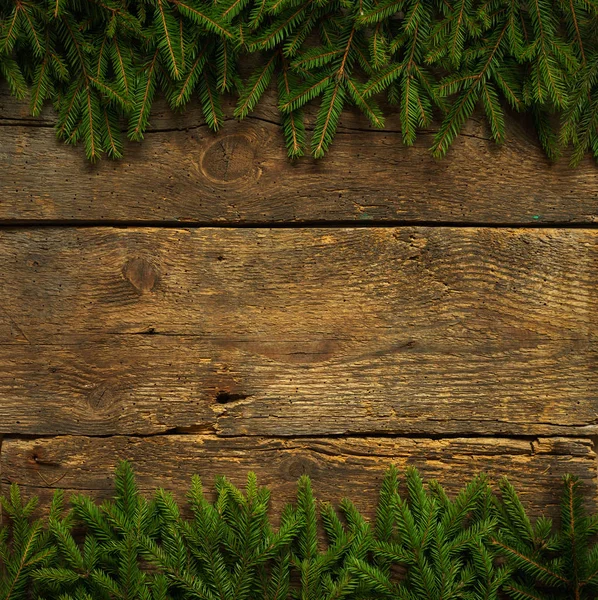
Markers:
(184, 173)
(291, 332)
(338, 467)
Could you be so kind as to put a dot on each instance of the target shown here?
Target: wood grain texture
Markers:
(184, 173)
(338, 467)
(290, 332)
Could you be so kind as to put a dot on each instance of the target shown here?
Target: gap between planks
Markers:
(6, 224)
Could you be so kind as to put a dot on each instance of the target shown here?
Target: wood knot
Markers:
(230, 158)
(100, 399)
(141, 274)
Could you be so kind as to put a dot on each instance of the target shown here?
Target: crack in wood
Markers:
(342, 129)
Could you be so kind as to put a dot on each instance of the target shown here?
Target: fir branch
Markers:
(167, 40)
(255, 88)
(463, 107)
(327, 121)
(104, 60)
(143, 100)
(202, 17)
(182, 93)
(292, 122)
(131, 547)
(210, 101)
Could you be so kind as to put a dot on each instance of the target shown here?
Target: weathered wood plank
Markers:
(182, 172)
(299, 331)
(338, 467)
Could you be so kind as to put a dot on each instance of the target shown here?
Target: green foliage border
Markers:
(423, 545)
(101, 63)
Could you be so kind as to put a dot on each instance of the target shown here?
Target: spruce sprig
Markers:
(228, 549)
(443, 543)
(547, 563)
(107, 563)
(325, 573)
(423, 545)
(25, 545)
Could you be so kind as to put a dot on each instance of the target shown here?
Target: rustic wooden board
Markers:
(184, 173)
(291, 332)
(350, 467)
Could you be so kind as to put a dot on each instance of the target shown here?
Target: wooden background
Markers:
(206, 306)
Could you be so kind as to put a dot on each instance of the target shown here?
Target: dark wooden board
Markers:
(351, 467)
(184, 173)
(291, 332)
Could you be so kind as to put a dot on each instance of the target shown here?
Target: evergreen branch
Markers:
(507, 89)
(520, 593)
(256, 87)
(110, 92)
(144, 104)
(293, 127)
(493, 112)
(8, 32)
(229, 549)
(166, 22)
(122, 66)
(380, 13)
(14, 77)
(578, 37)
(112, 143)
(341, 69)
(57, 8)
(22, 564)
(201, 17)
(103, 60)
(296, 38)
(304, 95)
(372, 112)
(186, 87)
(210, 103)
(383, 80)
(224, 82)
(454, 52)
(316, 58)
(278, 31)
(257, 14)
(327, 121)
(234, 9)
(526, 560)
(66, 119)
(39, 90)
(275, 6)
(34, 33)
(465, 104)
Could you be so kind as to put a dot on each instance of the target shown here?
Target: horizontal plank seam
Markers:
(192, 431)
(7, 224)
(14, 122)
